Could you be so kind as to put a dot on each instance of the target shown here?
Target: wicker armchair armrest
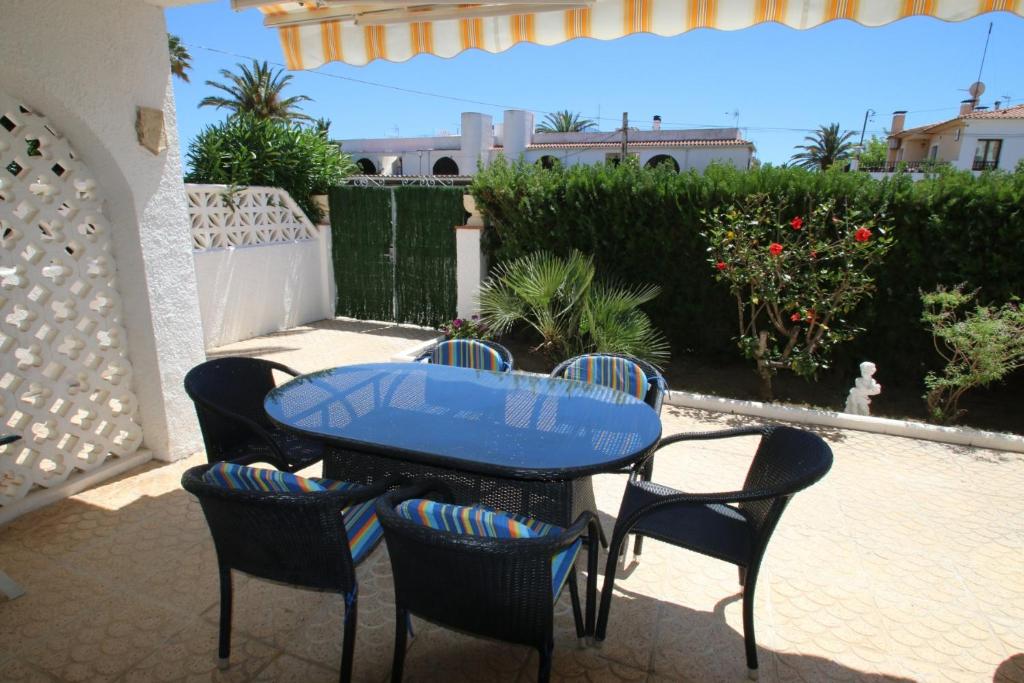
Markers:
(638, 467)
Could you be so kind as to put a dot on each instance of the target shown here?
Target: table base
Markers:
(554, 502)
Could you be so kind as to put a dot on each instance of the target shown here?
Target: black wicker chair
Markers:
(655, 392)
(734, 526)
(506, 355)
(228, 394)
(493, 587)
(294, 538)
(655, 397)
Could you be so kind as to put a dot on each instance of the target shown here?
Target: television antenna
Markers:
(735, 114)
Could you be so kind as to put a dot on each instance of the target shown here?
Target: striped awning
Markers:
(357, 32)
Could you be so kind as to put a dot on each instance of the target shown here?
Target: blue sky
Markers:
(781, 80)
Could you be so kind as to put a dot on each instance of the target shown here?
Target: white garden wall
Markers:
(260, 264)
(87, 65)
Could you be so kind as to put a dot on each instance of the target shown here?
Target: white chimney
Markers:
(657, 123)
(966, 107)
(898, 119)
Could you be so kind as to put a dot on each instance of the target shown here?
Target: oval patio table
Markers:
(521, 443)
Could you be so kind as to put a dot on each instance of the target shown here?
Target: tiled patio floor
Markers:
(905, 563)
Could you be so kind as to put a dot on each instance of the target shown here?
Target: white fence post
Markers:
(469, 260)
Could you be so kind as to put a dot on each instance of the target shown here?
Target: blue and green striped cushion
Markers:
(240, 478)
(610, 371)
(467, 353)
(480, 521)
(361, 525)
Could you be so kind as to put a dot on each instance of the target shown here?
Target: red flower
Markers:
(721, 265)
(862, 235)
(775, 248)
(795, 317)
(810, 314)
(797, 223)
(814, 254)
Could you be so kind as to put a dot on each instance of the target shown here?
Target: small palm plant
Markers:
(559, 299)
(827, 147)
(257, 90)
(565, 121)
(181, 60)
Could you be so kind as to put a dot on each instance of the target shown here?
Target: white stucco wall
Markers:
(249, 291)
(698, 158)
(1010, 131)
(87, 65)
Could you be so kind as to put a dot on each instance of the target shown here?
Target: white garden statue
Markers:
(858, 402)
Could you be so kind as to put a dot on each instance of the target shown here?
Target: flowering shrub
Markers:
(794, 278)
(466, 328)
(979, 346)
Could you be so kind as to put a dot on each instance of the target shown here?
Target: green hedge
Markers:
(643, 225)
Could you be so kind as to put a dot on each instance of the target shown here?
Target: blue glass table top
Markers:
(502, 424)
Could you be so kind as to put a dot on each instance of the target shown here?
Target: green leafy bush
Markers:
(571, 313)
(979, 346)
(246, 150)
(795, 278)
(644, 225)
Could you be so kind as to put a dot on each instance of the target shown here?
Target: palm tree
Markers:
(826, 147)
(257, 90)
(564, 121)
(181, 60)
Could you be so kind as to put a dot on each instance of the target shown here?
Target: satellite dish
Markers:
(977, 89)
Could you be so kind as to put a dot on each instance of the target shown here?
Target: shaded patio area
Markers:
(904, 563)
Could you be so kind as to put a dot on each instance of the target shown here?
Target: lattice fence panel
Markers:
(248, 216)
(65, 380)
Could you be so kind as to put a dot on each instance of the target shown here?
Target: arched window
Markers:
(659, 159)
(446, 166)
(548, 161)
(366, 167)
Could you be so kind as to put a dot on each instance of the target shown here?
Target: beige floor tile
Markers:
(904, 563)
(191, 656)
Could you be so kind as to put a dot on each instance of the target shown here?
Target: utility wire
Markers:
(483, 103)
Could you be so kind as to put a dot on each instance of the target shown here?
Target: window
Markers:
(986, 155)
(933, 153)
(614, 157)
(366, 167)
(956, 135)
(446, 166)
(659, 159)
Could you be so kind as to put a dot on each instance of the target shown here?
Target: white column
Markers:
(88, 65)
(469, 261)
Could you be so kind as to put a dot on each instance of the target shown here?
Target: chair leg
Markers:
(609, 584)
(349, 638)
(750, 582)
(544, 671)
(402, 628)
(646, 474)
(743, 575)
(577, 613)
(224, 642)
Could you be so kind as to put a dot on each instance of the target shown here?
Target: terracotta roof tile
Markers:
(640, 145)
(1014, 112)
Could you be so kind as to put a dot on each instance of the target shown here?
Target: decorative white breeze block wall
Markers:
(261, 266)
(65, 380)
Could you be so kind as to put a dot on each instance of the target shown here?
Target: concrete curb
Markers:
(959, 436)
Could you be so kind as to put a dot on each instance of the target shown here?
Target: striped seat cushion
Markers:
(610, 371)
(361, 525)
(467, 353)
(480, 521)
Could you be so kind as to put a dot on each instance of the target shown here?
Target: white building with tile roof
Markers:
(481, 141)
(977, 139)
